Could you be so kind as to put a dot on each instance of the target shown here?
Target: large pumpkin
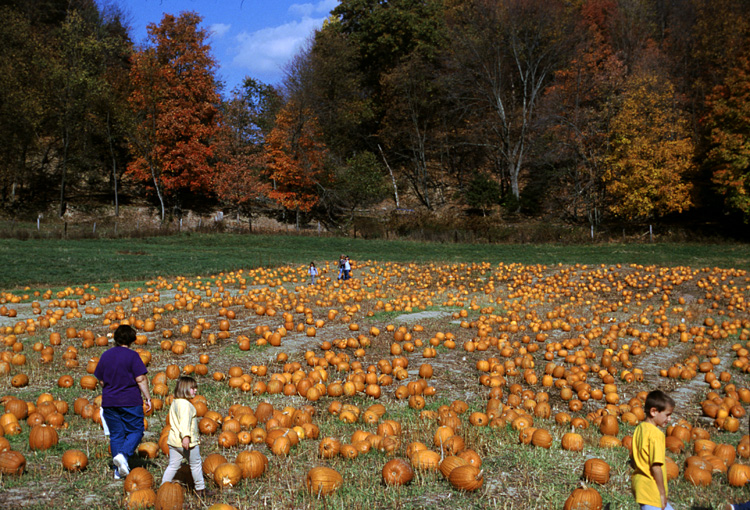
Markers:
(596, 470)
(12, 462)
(143, 498)
(322, 481)
(583, 498)
(169, 497)
(738, 475)
(696, 475)
(138, 478)
(466, 478)
(42, 437)
(252, 463)
(397, 472)
(227, 475)
(211, 462)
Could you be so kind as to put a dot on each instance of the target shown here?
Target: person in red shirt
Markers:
(122, 374)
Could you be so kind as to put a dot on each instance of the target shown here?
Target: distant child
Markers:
(341, 266)
(313, 272)
(183, 439)
(347, 268)
(648, 457)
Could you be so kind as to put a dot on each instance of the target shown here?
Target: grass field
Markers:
(55, 262)
(531, 321)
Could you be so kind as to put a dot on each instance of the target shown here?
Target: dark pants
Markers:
(125, 428)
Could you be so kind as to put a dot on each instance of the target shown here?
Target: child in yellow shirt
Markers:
(648, 457)
(183, 439)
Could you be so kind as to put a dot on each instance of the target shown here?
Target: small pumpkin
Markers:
(572, 441)
(74, 460)
(227, 475)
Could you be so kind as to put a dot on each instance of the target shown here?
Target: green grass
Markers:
(51, 262)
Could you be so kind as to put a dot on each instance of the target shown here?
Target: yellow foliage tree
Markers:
(651, 152)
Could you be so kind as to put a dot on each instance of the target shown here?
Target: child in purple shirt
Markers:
(122, 374)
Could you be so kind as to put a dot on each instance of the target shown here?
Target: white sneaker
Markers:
(121, 463)
(117, 474)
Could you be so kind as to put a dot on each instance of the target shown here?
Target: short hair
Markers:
(184, 385)
(124, 335)
(659, 400)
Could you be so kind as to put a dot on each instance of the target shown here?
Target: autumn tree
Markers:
(502, 56)
(651, 159)
(728, 120)
(22, 106)
(296, 160)
(175, 98)
(248, 117)
(577, 108)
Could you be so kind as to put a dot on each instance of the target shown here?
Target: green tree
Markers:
(482, 192)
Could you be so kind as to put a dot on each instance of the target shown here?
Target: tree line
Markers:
(587, 110)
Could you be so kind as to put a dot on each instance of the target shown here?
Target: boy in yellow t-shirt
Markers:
(648, 457)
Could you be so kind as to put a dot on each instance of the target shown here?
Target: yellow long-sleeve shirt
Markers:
(183, 420)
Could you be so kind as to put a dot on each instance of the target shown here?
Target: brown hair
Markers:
(659, 400)
(124, 335)
(184, 385)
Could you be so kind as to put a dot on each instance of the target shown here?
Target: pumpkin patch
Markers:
(425, 378)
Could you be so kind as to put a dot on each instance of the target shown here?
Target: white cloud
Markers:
(308, 9)
(263, 53)
(219, 29)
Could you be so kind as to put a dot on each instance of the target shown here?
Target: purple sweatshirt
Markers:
(117, 369)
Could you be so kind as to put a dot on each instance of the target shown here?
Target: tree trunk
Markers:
(114, 166)
(393, 179)
(158, 191)
(64, 171)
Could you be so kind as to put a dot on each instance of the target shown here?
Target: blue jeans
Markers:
(742, 506)
(649, 507)
(125, 428)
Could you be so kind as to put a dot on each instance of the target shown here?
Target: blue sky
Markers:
(248, 37)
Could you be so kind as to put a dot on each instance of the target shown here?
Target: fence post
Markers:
(38, 226)
(94, 232)
(650, 233)
(592, 232)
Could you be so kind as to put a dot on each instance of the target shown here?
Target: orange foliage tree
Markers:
(652, 151)
(729, 121)
(579, 106)
(174, 98)
(296, 159)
